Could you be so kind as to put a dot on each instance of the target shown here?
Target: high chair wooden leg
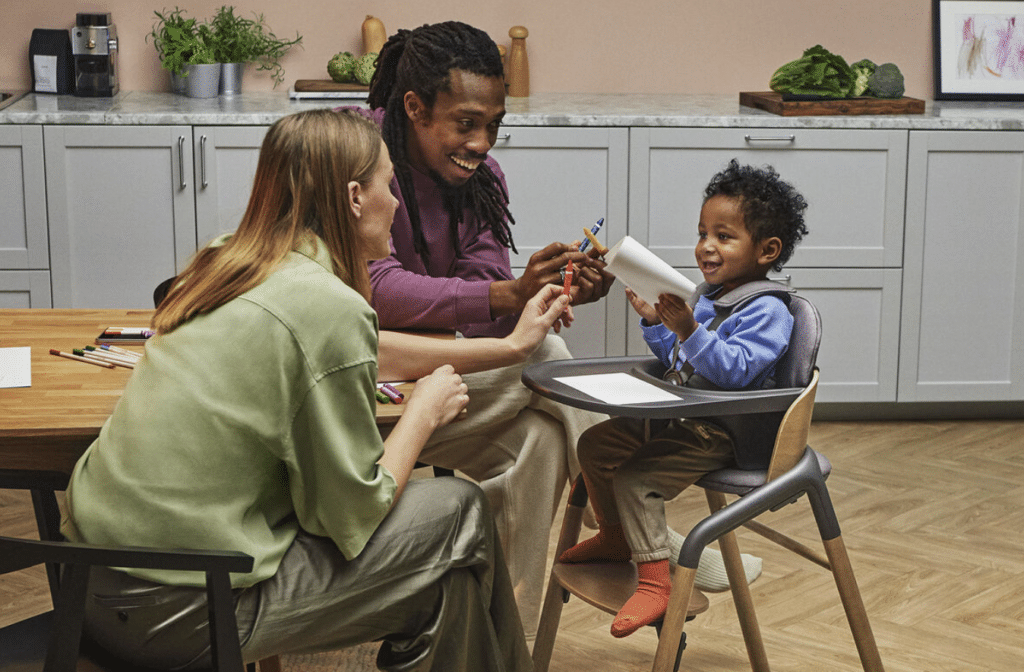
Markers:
(857, 616)
(551, 612)
(740, 591)
(271, 664)
(666, 658)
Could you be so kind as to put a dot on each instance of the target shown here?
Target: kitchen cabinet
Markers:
(24, 289)
(962, 333)
(23, 241)
(225, 163)
(121, 210)
(849, 264)
(853, 180)
(562, 180)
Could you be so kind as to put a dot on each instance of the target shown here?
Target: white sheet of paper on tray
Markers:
(618, 388)
(644, 272)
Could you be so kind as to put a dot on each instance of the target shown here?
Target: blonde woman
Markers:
(250, 425)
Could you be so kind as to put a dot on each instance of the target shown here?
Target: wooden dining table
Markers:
(45, 428)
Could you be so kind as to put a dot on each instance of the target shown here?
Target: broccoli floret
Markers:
(341, 67)
(886, 82)
(862, 71)
(365, 66)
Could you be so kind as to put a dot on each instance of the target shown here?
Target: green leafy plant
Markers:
(239, 39)
(177, 40)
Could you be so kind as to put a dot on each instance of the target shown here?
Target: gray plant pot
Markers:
(179, 83)
(231, 78)
(203, 80)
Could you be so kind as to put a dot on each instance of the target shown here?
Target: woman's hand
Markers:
(548, 307)
(642, 308)
(438, 397)
(676, 314)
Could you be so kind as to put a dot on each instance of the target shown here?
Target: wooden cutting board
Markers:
(327, 85)
(770, 101)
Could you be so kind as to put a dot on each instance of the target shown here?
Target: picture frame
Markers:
(979, 49)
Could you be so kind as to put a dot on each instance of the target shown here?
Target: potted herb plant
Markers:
(238, 40)
(185, 47)
(174, 37)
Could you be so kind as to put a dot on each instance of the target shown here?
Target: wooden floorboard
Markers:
(931, 517)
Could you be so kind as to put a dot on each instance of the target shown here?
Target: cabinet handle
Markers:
(787, 280)
(504, 137)
(769, 138)
(181, 161)
(202, 160)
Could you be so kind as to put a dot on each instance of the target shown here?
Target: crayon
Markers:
(568, 278)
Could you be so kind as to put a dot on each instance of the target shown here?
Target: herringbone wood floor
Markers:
(931, 516)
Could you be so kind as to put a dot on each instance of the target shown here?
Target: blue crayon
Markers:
(586, 241)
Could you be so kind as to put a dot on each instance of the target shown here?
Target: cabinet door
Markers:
(562, 180)
(225, 164)
(23, 241)
(963, 305)
(853, 180)
(860, 322)
(122, 212)
(24, 289)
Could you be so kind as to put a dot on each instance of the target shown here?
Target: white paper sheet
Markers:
(618, 388)
(16, 367)
(644, 272)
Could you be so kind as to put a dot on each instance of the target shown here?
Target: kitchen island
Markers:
(118, 194)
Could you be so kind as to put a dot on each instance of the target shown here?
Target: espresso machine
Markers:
(94, 47)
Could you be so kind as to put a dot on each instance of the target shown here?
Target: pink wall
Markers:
(643, 46)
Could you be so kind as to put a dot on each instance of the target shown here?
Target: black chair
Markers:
(53, 642)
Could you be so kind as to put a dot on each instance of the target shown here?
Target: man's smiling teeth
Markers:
(468, 165)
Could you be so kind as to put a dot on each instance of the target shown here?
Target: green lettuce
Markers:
(818, 72)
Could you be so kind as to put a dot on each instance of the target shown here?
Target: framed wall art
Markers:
(979, 49)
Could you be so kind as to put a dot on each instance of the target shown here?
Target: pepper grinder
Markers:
(518, 65)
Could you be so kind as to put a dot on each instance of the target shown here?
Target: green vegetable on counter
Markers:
(886, 82)
(341, 67)
(862, 71)
(818, 72)
(364, 67)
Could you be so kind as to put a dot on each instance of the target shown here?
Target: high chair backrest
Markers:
(755, 435)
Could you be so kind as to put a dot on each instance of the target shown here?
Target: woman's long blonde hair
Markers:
(301, 186)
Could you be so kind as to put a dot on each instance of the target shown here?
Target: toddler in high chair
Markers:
(750, 223)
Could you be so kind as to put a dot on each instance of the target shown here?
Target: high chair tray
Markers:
(689, 402)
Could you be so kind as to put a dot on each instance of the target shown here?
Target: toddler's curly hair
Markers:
(770, 206)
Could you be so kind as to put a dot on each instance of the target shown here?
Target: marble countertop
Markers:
(544, 109)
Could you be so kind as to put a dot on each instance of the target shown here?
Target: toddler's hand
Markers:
(676, 314)
(643, 309)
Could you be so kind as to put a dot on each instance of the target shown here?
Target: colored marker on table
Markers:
(593, 233)
(381, 397)
(392, 392)
(68, 355)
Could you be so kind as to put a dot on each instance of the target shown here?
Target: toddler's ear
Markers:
(770, 251)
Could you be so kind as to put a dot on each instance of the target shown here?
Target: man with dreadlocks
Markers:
(439, 96)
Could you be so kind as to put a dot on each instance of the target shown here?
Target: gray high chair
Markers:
(793, 469)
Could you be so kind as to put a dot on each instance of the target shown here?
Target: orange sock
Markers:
(648, 603)
(608, 545)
